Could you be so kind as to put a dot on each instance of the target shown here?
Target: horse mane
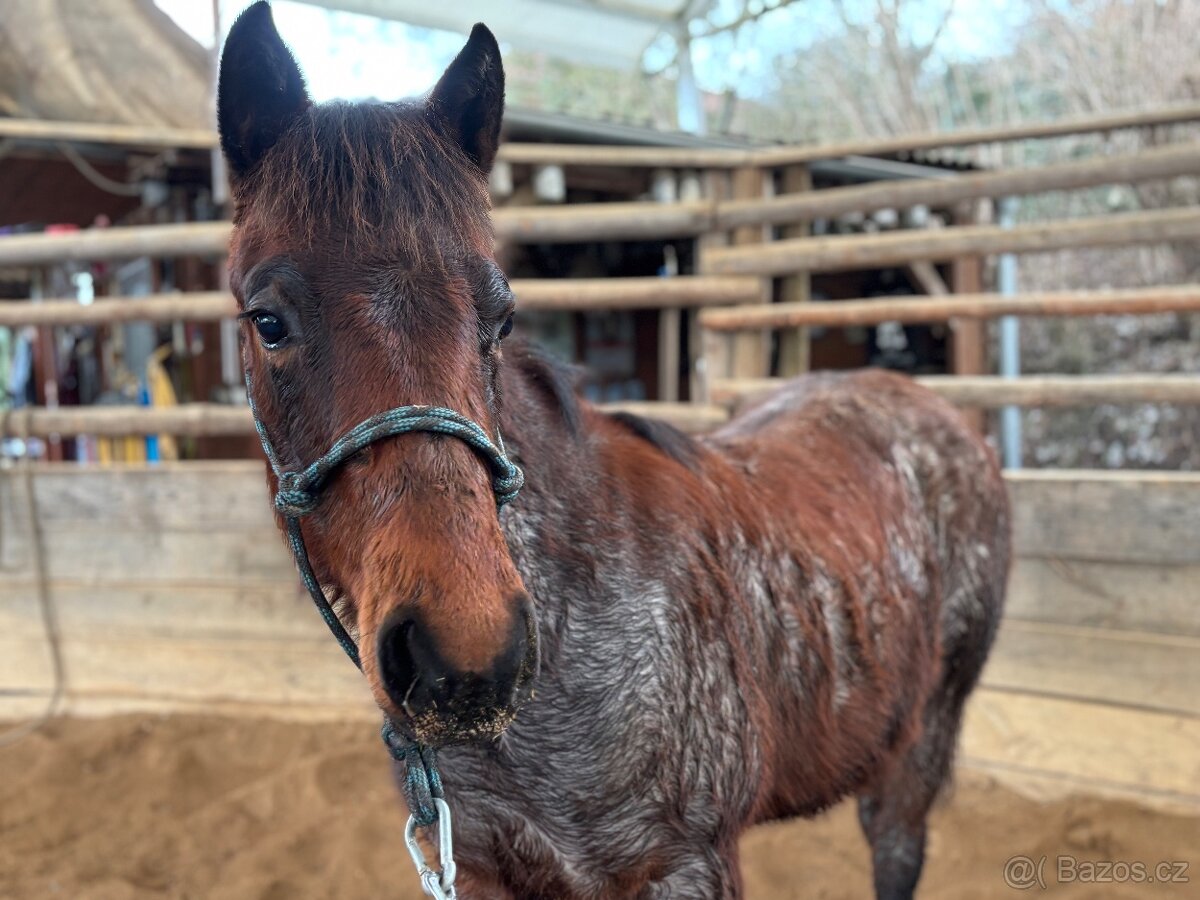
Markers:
(661, 435)
(344, 170)
(554, 381)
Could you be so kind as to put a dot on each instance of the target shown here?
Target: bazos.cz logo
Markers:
(1022, 873)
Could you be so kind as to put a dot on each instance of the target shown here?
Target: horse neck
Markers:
(605, 498)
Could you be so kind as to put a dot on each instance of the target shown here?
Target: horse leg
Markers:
(893, 810)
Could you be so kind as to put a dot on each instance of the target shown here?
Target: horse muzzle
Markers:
(443, 703)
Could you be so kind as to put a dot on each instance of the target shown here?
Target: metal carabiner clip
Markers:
(437, 884)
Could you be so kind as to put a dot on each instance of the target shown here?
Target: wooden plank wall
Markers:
(172, 589)
(1092, 685)
(174, 592)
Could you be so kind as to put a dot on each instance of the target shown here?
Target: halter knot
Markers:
(507, 484)
(293, 500)
(422, 781)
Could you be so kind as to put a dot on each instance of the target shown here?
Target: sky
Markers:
(745, 62)
(341, 54)
(352, 56)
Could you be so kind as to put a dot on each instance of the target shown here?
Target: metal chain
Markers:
(437, 884)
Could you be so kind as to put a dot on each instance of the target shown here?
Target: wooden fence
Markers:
(174, 592)
(753, 245)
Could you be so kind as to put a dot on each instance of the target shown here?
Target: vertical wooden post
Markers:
(715, 348)
(793, 342)
(670, 326)
(664, 188)
(752, 349)
(43, 370)
(670, 323)
(968, 356)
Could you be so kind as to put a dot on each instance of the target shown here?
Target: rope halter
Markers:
(298, 495)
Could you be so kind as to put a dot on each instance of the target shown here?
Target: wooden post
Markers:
(670, 322)
(968, 353)
(670, 329)
(752, 350)
(663, 189)
(44, 368)
(794, 342)
(714, 359)
(926, 276)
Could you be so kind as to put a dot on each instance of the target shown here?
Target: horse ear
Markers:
(260, 91)
(469, 98)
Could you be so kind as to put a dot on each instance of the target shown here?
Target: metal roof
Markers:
(533, 125)
(612, 33)
(523, 123)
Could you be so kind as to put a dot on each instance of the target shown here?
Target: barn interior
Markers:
(54, 186)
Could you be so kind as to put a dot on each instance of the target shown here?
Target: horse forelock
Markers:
(375, 181)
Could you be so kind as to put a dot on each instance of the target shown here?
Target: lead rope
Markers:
(37, 556)
(298, 495)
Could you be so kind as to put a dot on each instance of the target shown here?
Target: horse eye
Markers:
(271, 329)
(505, 329)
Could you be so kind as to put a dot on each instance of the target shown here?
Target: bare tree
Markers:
(875, 76)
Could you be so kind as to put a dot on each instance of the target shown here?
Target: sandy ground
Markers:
(153, 807)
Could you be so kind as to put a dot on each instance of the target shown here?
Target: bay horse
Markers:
(665, 639)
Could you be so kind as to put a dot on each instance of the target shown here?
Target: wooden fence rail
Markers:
(187, 420)
(206, 306)
(100, 133)
(653, 221)
(1147, 165)
(573, 154)
(909, 309)
(1172, 115)
(576, 294)
(633, 293)
(992, 392)
(984, 391)
(848, 252)
(603, 222)
(565, 224)
(217, 420)
(126, 242)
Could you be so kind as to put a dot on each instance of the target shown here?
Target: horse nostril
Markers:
(444, 700)
(398, 664)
